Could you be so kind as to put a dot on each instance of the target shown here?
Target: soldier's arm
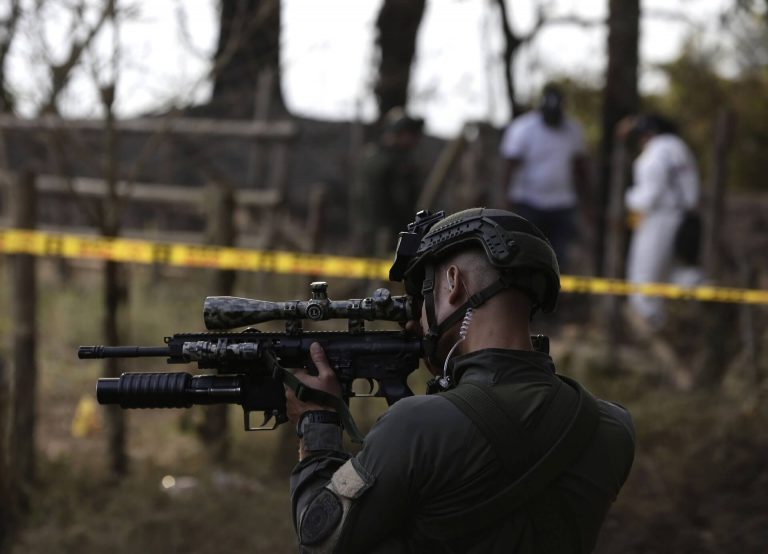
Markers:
(328, 484)
(351, 504)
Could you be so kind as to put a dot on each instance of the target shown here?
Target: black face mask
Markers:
(552, 109)
(552, 117)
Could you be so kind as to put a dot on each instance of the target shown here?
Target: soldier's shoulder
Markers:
(617, 419)
(423, 411)
(420, 403)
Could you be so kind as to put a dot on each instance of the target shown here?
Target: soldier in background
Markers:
(391, 182)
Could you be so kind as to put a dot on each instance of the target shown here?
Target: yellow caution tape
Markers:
(596, 285)
(38, 243)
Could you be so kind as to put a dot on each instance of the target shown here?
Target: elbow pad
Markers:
(322, 520)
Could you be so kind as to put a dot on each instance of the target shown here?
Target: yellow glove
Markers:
(634, 219)
(86, 422)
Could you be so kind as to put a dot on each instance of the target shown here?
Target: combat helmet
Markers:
(515, 247)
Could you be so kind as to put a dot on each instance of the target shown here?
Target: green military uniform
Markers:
(425, 459)
(510, 458)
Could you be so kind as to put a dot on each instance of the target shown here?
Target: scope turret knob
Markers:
(382, 297)
(319, 290)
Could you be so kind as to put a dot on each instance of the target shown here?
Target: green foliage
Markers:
(693, 99)
(584, 103)
(697, 93)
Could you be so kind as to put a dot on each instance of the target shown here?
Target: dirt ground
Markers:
(697, 485)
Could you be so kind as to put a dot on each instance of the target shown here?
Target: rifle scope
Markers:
(229, 312)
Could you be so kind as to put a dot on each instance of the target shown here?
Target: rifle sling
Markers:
(308, 394)
(483, 407)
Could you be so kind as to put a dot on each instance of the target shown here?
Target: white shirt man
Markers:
(547, 171)
(544, 178)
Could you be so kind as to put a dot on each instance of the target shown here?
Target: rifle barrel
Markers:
(98, 352)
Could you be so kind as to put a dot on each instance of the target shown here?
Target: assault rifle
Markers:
(250, 364)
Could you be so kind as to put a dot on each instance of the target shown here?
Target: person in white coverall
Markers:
(666, 185)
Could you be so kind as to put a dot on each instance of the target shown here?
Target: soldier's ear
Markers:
(453, 278)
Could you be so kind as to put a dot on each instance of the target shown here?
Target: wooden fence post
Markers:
(356, 189)
(115, 294)
(318, 200)
(6, 494)
(115, 285)
(220, 231)
(24, 301)
(615, 248)
(441, 170)
(284, 456)
(748, 275)
(711, 372)
(714, 196)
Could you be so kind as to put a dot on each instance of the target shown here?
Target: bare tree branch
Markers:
(513, 41)
(186, 36)
(8, 26)
(61, 73)
(667, 14)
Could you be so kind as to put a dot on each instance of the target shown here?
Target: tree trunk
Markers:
(620, 98)
(114, 296)
(397, 24)
(9, 29)
(247, 53)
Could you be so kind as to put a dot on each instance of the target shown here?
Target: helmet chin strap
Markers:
(435, 329)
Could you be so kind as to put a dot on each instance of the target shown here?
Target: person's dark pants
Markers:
(557, 225)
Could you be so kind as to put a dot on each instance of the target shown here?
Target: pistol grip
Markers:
(394, 390)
